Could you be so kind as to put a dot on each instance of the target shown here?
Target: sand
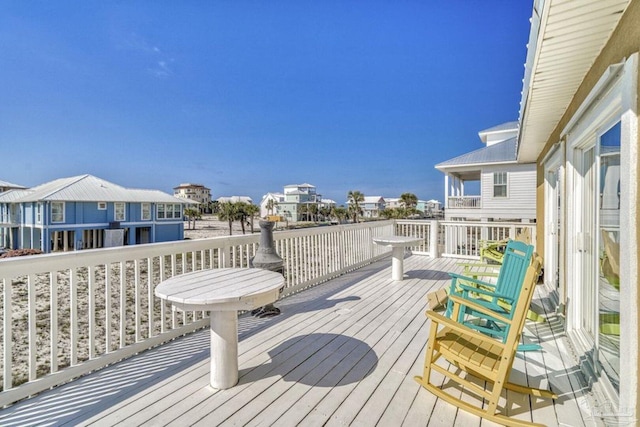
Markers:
(209, 226)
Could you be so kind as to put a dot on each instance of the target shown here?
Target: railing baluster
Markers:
(107, 308)
(123, 305)
(92, 311)
(53, 320)
(73, 318)
(33, 339)
(8, 334)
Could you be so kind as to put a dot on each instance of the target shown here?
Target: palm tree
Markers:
(340, 213)
(409, 200)
(302, 211)
(354, 198)
(313, 210)
(228, 212)
(192, 214)
(251, 210)
(271, 204)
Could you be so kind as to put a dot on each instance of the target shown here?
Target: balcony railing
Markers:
(67, 314)
(464, 202)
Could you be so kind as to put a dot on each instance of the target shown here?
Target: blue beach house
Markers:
(85, 212)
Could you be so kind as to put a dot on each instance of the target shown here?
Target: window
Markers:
(57, 211)
(119, 212)
(39, 213)
(499, 184)
(102, 206)
(169, 210)
(146, 211)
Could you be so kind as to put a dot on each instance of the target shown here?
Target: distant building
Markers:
(235, 199)
(270, 203)
(298, 202)
(430, 208)
(6, 186)
(372, 206)
(392, 203)
(195, 192)
(489, 183)
(85, 212)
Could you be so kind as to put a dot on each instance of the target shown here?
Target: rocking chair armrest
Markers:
(459, 277)
(459, 327)
(486, 292)
(480, 308)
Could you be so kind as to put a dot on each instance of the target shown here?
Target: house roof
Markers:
(373, 199)
(88, 188)
(501, 152)
(504, 127)
(234, 199)
(8, 184)
(565, 40)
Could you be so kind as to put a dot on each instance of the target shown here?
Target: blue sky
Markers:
(248, 96)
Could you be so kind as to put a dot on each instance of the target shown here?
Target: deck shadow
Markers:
(318, 360)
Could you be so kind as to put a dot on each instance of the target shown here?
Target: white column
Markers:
(397, 263)
(224, 349)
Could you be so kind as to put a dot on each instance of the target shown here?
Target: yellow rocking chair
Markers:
(479, 355)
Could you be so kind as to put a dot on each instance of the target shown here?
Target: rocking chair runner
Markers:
(479, 355)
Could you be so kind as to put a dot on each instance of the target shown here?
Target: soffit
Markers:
(566, 38)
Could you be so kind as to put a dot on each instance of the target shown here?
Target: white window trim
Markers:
(506, 184)
(63, 213)
(142, 211)
(102, 206)
(115, 211)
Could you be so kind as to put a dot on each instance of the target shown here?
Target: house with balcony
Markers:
(490, 184)
(195, 192)
(298, 202)
(85, 212)
(372, 206)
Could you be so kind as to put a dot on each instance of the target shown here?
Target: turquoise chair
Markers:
(499, 297)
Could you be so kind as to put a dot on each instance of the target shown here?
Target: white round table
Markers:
(397, 243)
(222, 292)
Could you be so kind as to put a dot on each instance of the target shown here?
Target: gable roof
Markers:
(88, 188)
(4, 184)
(501, 152)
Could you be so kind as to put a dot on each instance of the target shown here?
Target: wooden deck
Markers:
(342, 353)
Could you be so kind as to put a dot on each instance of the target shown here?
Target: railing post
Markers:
(434, 229)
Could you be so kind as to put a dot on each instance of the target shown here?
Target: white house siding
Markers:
(520, 202)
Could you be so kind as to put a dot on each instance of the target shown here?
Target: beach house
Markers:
(85, 212)
(372, 206)
(579, 125)
(489, 183)
(298, 202)
(195, 192)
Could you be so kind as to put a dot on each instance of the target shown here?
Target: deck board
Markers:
(342, 353)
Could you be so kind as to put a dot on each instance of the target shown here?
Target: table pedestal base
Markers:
(397, 263)
(224, 349)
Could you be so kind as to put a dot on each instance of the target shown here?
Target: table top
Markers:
(222, 289)
(396, 240)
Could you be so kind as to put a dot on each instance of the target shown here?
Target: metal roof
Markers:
(501, 152)
(508, 126)
(88, 188)
(565, 40)
(8, 184)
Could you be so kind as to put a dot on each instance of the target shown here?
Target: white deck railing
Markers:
(464, 202)
(67, 314)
